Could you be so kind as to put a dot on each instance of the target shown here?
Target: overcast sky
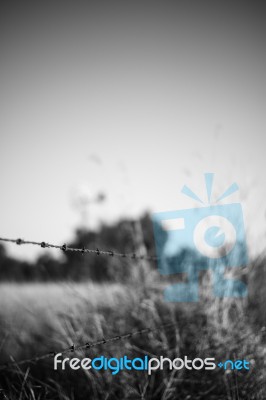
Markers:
(131, 98)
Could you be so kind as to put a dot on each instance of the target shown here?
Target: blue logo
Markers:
(237, 364)
(206, 237)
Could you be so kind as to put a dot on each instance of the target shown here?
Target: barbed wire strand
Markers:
(82, 250)
(103, 341)
(87, 345)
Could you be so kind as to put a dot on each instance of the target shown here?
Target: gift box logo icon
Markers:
(206, 237)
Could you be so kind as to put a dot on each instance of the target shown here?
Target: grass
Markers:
(38, 318)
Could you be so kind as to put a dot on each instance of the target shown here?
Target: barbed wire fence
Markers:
(103, 341)
(87, 345)
(141, 256)
(82, 250)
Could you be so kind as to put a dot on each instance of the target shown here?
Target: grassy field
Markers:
(38, 318)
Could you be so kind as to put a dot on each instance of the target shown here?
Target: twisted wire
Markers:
(84, 346)
(82, 250)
